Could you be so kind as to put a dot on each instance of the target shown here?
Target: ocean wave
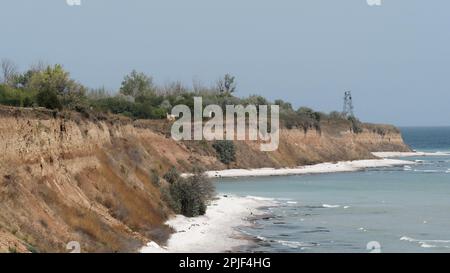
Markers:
(295, 244)
(424, 162)
(436, 153)
(330, 206)
(427, 171)
(261, 238)
(443, 152)
(291, 244)
(260, 198)
(427, 243)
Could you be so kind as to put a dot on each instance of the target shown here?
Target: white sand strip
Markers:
(408, 154)
(215, 231)
(342, 166)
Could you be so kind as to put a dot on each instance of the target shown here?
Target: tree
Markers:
(54, 83)
(226, 151)
(137, 84)
(9, 71)
(227, 85)
(48, 99)
(52, 78)
(165, 105)
(23, 80)
(286, 106)
(335, 115)
(256, 100)
(305, 111)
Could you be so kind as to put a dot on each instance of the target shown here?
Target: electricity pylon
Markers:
(348, 105)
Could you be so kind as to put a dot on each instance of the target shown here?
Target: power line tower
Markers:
(348, 105)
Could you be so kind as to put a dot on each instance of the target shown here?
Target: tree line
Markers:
(138, 97)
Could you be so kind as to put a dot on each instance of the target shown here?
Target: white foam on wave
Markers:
(330, 206)
(259, 198)
(261, 238)
(295, 244)
(410, 154)
(426, 243)
(427, 171)
(291, 244)
(291, 202)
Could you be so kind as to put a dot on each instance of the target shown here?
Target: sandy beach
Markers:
(216, 230)
(342, 166)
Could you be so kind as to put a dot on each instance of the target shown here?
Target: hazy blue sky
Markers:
(395, 58)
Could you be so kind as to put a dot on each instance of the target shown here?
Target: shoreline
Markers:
(321, 168)
(408, 154)
(216, 231)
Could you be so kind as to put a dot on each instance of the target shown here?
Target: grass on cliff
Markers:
(138, 96)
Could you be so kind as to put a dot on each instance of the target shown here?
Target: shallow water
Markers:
(403, 209)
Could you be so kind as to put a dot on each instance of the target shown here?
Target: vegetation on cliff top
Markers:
(138, 97)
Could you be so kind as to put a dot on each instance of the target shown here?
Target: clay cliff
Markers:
(68, 177)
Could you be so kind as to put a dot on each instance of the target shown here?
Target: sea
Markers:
(394, 209)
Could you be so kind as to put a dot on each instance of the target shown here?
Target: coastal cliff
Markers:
(70, 177)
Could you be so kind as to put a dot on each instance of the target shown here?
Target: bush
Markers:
(189, 196)
(335, 115)
(226, 151)
(154, 177)
(172, 175)
(121, 105)
(48, 99)
(356, 125)
(16, 97)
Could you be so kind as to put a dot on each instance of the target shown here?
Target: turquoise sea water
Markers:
(402, 209)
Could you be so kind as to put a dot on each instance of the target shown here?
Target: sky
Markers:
(393, 57)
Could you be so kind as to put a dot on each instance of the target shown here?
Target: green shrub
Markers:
(189, 196)
(121, 105)
(16, 97)
(154, 177)
(172, 175)
(355, 125)
(166, 196)
(48, 99)
(226, 151)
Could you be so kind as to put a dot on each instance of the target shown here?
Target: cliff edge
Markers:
(69, 177)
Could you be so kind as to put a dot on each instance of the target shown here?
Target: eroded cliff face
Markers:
(65, 177)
